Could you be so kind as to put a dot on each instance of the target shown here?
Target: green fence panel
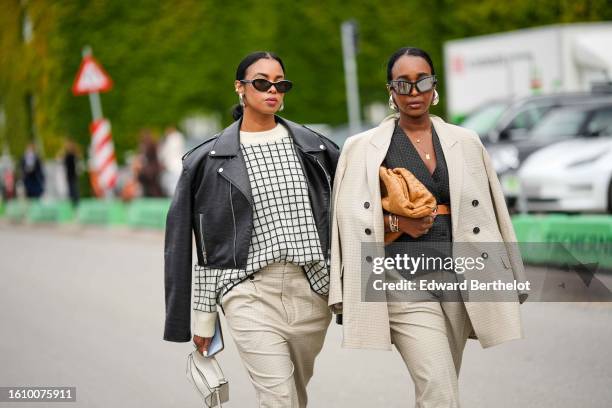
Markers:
(93, 211)
(16, 210)
(148, 213)
(41, 211)
(569, 238)
(530, 229)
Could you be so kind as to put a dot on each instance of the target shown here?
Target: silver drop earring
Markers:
(436, 98)
(241, 99)
(392, 104)
(282, 106)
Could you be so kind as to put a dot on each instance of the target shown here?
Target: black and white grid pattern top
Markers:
(284, 228)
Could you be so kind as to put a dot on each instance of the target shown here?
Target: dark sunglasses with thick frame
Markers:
(403, 87)
(262, 85)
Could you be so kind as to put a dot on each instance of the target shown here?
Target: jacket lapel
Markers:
(304, 138)
(453, 153)
(379, 141)
(227, 150)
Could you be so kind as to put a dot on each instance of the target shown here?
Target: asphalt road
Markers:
(84, 307)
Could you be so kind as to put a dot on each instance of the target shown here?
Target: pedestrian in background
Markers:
(32, 172)
(70, 161)
(149, 166)
(7, 176)
(171, 150)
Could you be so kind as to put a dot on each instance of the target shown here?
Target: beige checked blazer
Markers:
(357, 207)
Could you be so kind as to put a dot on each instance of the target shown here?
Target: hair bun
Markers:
(237, 111)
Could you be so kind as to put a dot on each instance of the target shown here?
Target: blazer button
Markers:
(322, 147)
(366, 205)
(368, 231)
(476, 230)
(212, 153)
(369, 259)
(220, 170)
(484, 255)
(251, 277)
(475, 203)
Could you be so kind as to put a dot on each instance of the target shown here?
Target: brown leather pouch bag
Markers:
(403, 194)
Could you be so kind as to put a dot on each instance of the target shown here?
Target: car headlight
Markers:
(505, 158)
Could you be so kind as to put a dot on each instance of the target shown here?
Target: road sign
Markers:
(91, 78)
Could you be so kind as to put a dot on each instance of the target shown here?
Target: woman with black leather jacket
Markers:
(256, 198)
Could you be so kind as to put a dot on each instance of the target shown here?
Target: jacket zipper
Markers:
(202, 240)
(329, 198)
(234, 222)
(233, 219)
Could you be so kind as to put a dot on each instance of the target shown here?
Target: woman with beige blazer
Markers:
(430, 332)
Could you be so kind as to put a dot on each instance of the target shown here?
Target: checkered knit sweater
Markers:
(284, 229)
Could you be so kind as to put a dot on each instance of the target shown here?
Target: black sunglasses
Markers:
(263, 85)
(403, 87)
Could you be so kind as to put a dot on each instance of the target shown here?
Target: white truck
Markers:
(542, 60)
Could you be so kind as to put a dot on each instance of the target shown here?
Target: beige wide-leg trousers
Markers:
(431, 336)
(278, 324)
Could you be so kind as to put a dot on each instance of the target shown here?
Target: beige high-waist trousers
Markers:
(278, 324)
(431, 336)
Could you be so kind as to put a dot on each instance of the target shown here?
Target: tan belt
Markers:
(442, 209)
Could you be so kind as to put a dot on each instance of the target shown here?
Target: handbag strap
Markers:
(209, 367)
(197, 379)
(218, 398)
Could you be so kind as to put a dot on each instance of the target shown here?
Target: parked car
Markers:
(570, 176)
(584, 119)
(509, 120)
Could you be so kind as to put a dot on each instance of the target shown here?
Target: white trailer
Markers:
(542, 60)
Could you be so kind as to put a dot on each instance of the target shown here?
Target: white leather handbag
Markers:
(206, 375)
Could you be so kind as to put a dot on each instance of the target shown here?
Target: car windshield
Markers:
(483, 120)
(559, 124)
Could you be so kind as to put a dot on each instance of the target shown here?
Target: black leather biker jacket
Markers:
(213, 204)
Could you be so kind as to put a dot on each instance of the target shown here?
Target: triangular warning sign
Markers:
(91, 78)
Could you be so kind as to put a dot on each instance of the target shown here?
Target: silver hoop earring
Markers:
(392, 104)
(282, 106)
(241, 100)
(436, 98)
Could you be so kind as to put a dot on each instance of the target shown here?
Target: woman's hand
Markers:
(415, 227)
(202, 344)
